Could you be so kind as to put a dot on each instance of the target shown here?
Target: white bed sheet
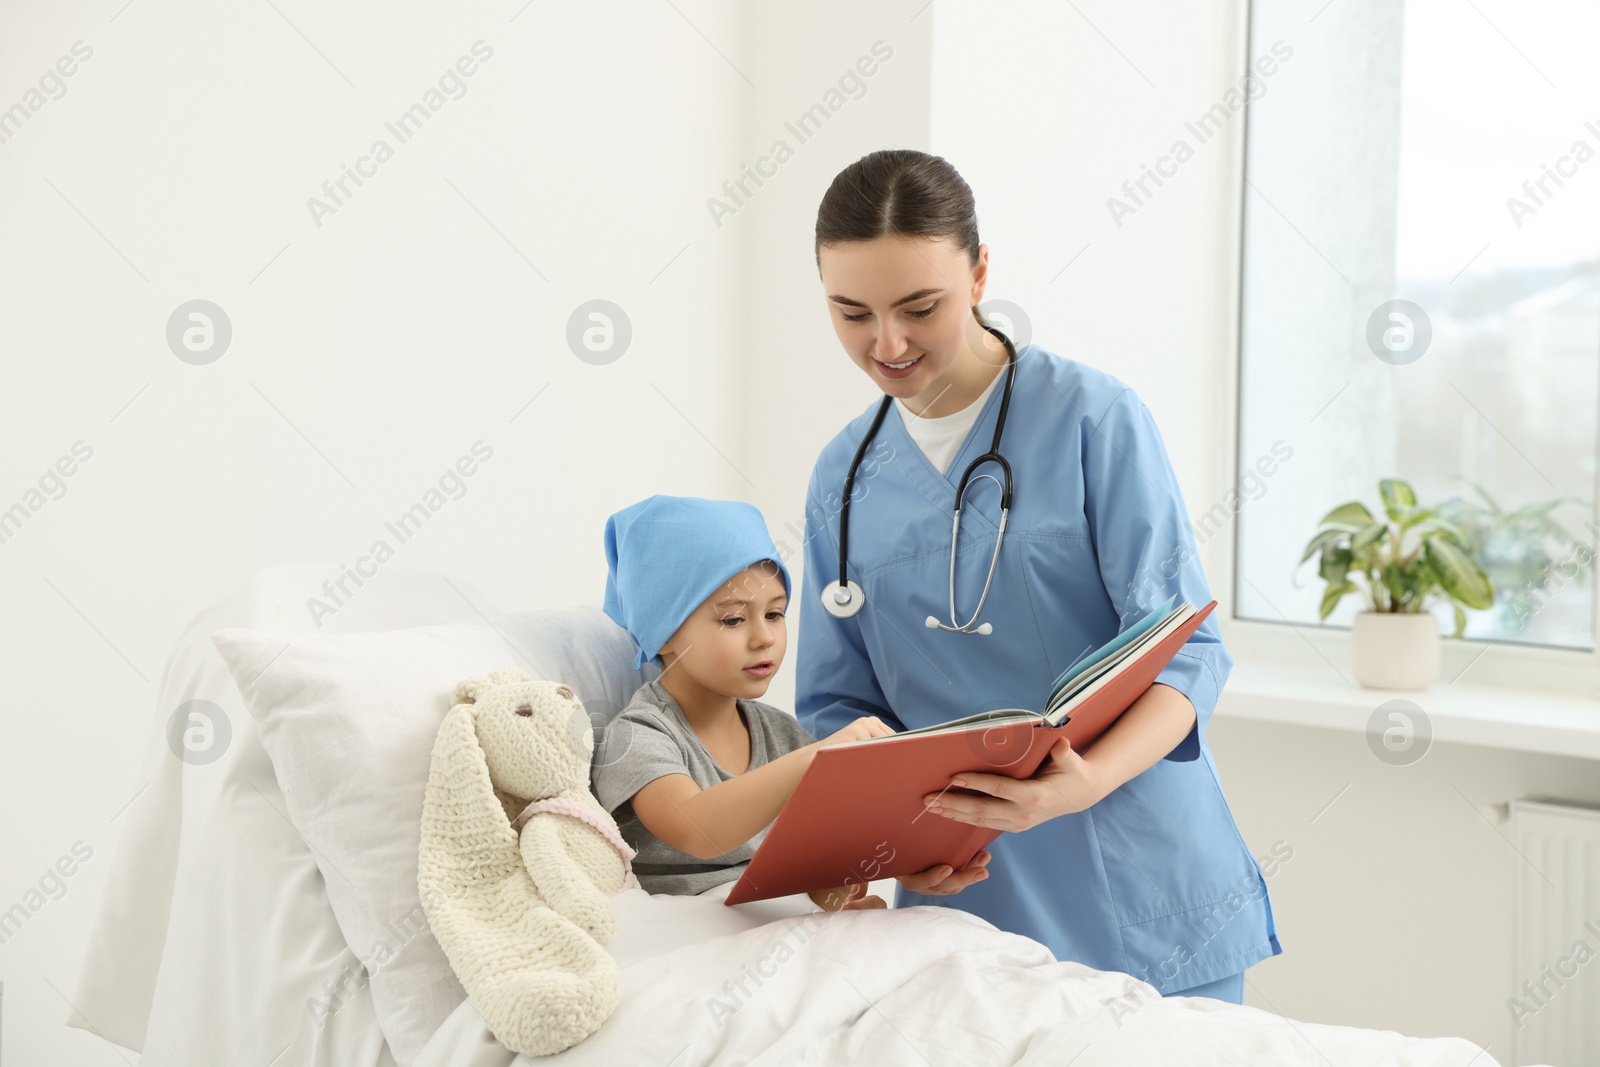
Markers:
(912, 986)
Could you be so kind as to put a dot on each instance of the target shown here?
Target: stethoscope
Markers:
(844, 598)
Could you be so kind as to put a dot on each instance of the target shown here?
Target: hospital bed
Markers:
(218, 940)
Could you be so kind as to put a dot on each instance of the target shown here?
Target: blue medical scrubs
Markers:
(1154, 880)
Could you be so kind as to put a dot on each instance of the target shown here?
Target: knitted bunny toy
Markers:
(522, 919)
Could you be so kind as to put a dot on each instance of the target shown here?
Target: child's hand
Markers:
(864, 727)
(846, 898)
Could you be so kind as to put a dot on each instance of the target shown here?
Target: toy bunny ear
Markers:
(467, 690)
(466, 836)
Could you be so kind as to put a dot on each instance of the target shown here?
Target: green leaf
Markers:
(1422, 580)
(1461, 621)
(1396, 495)
(1323, 540)
(1408, 517)
(1459, 574)
(1369, 535)
(1352, 515)
(1330, 598)
(1450, 530)
(1335, 564)
(1394, 580)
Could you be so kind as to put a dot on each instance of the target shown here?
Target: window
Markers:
(1444, 156)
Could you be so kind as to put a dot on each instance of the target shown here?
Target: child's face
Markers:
(733, 643)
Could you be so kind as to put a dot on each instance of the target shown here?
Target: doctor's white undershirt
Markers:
(941, 438)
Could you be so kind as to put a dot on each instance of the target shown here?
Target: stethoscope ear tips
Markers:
(934, 624)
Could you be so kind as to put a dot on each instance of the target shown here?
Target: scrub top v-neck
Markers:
(941, 438)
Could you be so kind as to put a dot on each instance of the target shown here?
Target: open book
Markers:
(857, 814)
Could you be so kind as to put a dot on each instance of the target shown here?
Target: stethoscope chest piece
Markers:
(842, 601)
(844, 598)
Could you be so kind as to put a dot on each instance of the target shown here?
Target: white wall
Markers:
(1047, 110)
(369, 356)
(800, 386)
(1395, 911)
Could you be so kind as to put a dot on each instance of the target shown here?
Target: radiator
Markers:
(1555, 998)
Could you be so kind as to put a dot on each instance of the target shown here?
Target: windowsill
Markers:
(1515, 719)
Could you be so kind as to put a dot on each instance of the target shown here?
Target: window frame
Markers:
(1324, 647)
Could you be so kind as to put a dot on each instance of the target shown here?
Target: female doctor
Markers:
(1124, 857)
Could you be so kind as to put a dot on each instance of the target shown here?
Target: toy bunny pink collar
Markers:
(587, 814)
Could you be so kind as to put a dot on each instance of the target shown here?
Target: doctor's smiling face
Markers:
(903, 309)
(732, 644)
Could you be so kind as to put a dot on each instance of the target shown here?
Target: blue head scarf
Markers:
(666, 554)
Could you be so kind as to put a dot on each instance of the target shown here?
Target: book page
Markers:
(1114, 666)
(1081, 668)
(983, 720)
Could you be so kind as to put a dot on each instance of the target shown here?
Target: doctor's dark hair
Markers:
(898, 192)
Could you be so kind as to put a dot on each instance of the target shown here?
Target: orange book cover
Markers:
(857, 814)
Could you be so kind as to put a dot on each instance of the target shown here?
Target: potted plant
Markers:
(1395, 641)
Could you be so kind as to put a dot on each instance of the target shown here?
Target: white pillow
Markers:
(349, 722)
(214, 937)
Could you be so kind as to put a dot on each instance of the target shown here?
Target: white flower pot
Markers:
(1395, 650)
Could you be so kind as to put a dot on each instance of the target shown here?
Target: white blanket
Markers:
(777, 983)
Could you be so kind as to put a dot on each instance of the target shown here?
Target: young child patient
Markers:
(696, 768)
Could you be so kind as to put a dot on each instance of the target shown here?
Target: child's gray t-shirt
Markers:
(651, 738)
